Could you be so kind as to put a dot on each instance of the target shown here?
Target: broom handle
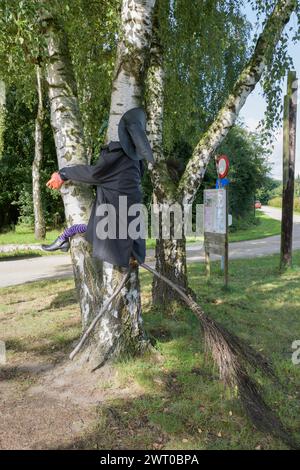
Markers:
(97, 317)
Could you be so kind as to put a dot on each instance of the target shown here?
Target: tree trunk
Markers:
(119, 332)
(170, 255)
(170, 261)
(39, 221)
(68, 135)
(2, 115)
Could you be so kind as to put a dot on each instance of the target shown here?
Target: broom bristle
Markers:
(259, 411)
(227, 348)
(233, 357)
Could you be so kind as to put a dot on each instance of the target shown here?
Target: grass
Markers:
(26, 237)
(183, 405)
(266, 227)
(22, 254)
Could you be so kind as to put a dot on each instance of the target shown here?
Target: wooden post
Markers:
(289, 150)
(207, 262)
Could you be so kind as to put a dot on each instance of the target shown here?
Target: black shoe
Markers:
(63, 245)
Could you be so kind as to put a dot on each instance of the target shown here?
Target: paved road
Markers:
(55, 267)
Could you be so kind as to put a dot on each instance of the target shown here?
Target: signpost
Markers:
(216, 218)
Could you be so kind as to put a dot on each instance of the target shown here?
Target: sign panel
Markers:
(215, 210)
(215, 243)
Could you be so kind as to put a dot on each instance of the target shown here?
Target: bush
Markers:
(277, 202)
(23, 228)
(243, 223)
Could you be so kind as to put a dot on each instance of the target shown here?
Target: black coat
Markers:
(115, 174)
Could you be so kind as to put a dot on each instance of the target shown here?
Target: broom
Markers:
(231, 355)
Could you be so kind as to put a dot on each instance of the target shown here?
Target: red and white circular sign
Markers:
(222, 165)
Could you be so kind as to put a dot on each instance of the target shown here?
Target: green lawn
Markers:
(26, 237)
(267, 227)
(183, 404)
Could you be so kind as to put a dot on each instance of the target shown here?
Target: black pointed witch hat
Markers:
(132, 135)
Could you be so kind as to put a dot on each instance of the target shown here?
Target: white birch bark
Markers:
(68, 135)
(132, 52)
(39, 220)
(249, 77)
(2, 114)
(170, 255)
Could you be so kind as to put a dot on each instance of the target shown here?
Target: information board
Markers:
(215, 210)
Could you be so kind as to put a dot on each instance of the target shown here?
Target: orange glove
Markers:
(55, 182)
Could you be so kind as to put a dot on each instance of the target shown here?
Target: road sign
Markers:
(222, 166)
(221, 183)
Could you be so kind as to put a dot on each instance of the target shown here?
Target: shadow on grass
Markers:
(173, 419)
(24, 372)
(4, 257)
(155, 421)
(63, 299)
(47, 345)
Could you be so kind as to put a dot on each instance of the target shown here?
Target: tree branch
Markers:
(249, 77)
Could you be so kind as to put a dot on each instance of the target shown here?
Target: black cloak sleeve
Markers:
(84, 173)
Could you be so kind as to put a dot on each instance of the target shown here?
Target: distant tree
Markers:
(269, 189)
(249, 168)
(16, 201)
(2, 113)
(39, 219)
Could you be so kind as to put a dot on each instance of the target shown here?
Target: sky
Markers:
(253, 110)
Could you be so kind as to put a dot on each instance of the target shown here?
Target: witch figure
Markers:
(117, 174)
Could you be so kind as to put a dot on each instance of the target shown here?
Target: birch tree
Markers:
(245, 84)
(177, 78)
(68, 135)
(170, 254)
(39, 221)
(2, 114)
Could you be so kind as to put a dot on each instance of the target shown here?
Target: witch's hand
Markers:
(55, 182)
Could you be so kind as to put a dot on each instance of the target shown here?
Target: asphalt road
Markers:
(20, 271)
